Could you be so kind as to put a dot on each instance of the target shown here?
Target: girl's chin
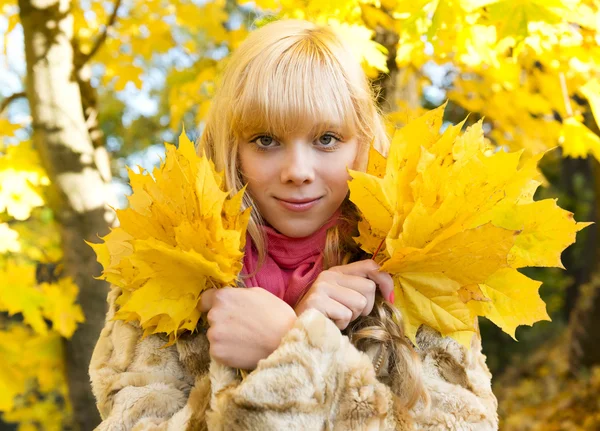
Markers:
(295, 228)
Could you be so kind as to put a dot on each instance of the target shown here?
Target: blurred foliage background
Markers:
(88, 87)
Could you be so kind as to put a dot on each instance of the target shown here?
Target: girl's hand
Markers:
(345, 292)
(246, 324)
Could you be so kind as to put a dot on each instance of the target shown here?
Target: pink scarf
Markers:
(291, 264)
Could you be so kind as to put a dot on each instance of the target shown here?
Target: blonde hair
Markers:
(284, 75)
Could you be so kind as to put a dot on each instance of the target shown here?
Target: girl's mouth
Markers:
(298, 205)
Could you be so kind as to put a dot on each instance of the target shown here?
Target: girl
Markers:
(314, 326)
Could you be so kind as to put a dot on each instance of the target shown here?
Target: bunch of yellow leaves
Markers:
(452, 220)
(179, 236)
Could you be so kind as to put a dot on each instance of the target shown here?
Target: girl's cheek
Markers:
(254, 168)
(338, 177)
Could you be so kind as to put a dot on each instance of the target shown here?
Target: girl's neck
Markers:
(291, 264)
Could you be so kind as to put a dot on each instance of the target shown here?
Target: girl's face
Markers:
(297, 181)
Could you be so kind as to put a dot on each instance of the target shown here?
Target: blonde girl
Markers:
(313, 326)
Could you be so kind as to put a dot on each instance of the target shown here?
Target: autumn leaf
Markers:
(32, 365)
(372, 54)
(12, 377)
(21, 180)
(521, 14)
(591, 91)
(60, 306)
(180, 235)
(513, 300)
(9, 239)
(454, 220)
(55, 302)
(18, 294)
(577, 140)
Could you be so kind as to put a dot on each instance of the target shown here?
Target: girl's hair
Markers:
(284, 75)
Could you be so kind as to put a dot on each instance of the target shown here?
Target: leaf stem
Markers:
(565, 93)
(378, 249)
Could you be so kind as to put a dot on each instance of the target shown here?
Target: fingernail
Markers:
(392, 297)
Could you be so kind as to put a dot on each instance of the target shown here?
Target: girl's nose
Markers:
(298, 165)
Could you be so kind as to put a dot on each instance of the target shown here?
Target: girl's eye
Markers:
(264, 141)
(328, 140)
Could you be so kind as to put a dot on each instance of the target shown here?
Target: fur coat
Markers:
(315, 380)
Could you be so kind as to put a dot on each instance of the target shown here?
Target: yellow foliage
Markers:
(510, 58)
(31, 377)
(39, 237)
(8, 129)
(577, 140)
(448, 214)
(60, 306)
(20, 295)
(539, 393)
(56, 302)
(10, 11)
(180, 236)
(8, 239)
(507, 53)
(210, 18)
(192, 89)
(21, 177)
(591, 91)
(88, 25)
(33, 389)
(373, 54)
(122, 74)
(522, 13)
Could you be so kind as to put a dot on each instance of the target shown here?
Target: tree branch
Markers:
(10, 99)
(111, 21)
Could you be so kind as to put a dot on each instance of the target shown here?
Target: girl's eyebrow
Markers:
(315, 127)
(327, 125)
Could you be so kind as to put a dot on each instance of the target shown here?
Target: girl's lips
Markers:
(298, 206)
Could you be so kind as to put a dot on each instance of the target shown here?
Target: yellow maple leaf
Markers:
(514, 300)
(591, 91)
(521, 14)
(56, 302)
(9, 239)
(12, 378)
(452, 220)
(577, 140)
(21, 180)
(32, 367)
(180, 236)
(60, 306)
(372, 54)
(8, 129)
(18, 294)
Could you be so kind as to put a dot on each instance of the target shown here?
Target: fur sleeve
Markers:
(141, 386)
(459, 383)
(316, 379)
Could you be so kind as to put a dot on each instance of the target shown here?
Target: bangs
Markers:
(294, 87)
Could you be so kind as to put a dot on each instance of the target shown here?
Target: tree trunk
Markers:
(398, 84)
(584, 320)
(8, 427)
(578, 258)
(79, 191)
(386, 82)
(584, 345)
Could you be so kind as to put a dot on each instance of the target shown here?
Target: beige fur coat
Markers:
(315, 380)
